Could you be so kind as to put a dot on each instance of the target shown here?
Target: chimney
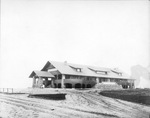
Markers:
(65, 62)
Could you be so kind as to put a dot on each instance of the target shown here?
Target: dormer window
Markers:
(76, 68)
(101, 72)
(117, 72)
(98, 71)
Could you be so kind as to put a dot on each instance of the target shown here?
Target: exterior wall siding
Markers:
(73, 80)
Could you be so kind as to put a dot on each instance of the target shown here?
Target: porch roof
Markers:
(41, 74)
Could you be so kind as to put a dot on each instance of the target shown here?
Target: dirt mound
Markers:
(108, 86)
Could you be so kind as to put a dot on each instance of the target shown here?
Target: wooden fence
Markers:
(6, 90)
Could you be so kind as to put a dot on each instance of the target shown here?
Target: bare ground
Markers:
(77, 105)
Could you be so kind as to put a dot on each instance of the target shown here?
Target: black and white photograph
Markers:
(75, 59)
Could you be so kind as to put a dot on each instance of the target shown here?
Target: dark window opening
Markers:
(125, 86)
(67, 76)
(59, 76)
(83, 85)
(47, 83)
(88, 78)
(89, 86)
(59, 85)
(55, 85)
(68, 85)
(78, 85)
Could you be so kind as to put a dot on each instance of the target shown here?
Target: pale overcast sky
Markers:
(100, 33)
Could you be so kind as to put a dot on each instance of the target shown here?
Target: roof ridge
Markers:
(81, 65)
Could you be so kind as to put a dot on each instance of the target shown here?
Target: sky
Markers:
(99, 33)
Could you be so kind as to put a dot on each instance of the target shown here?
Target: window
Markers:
(67, 76)
(117, 72)
(116, 80)
(101, 72)
(100, 80)
(59, 76)
(89, 78)
(94, 78)
(73, 77)
(104, 80)
(78, 69)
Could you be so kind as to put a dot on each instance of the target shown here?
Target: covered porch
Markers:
(42, 79)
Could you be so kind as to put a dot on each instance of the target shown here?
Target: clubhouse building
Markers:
(67, 75)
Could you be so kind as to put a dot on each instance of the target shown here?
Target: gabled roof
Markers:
(64, 68)
(41, 74)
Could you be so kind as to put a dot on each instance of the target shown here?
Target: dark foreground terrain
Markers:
(141, 96)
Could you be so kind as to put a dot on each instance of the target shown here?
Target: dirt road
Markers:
(76, 105)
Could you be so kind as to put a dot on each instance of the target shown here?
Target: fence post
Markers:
(7, 90)
(12, 90)
(3, 90)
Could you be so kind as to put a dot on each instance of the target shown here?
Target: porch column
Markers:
(97, 80)
(52, 82)
(40, 82)
(62, 81)
(73, 85)
(108, 80)
(34, 82)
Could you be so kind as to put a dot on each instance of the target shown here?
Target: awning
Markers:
(41, 74)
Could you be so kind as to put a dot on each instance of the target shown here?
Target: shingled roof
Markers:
(66, 68)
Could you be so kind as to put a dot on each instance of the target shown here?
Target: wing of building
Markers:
(63, 74)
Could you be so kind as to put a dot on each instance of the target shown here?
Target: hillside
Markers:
(141, 96)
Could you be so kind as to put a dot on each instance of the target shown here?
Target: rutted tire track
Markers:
(27, 103)
(28, 106)
(41, 108)
(93, 102)
(20, 99)
(111, 107)
(117, 107)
